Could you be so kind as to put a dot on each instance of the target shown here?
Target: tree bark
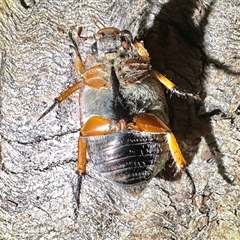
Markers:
(196, 44)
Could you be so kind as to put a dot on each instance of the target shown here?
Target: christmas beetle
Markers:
(123, 111)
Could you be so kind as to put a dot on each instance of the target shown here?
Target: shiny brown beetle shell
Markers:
(130, 159)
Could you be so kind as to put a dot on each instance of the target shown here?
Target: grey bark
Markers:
(196, 44)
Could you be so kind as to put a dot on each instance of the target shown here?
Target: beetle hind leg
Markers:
(82, 158)
(150, 123)
(176, 163)
(176, 153)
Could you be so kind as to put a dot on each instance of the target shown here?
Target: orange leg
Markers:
(142, 51)
(108, 30)
(79, 66)
(69, 91)
(62, 97)
(165, 81)
(77, 61)
(173, 88)
(95, 77)
(175, 151)
(95, 126)
(150, 123)
(82, 159)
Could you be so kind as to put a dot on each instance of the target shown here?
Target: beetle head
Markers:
(107, 41)
(111, 41)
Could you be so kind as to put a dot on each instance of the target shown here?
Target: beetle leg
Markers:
(95, 77)
(142, 51)
(173, 88)
(48, 110)
(148, 122)
(175, 151)
(62, 97)
(97, 126)
(82, 159)
(141, 70)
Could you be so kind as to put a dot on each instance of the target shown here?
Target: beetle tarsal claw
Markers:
(48, 110)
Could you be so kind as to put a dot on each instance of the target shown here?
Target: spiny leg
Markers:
(173, 88)
(62, 97)
(175, 151)
(78, 64)
(142, 51)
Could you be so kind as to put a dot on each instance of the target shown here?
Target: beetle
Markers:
(123, 111)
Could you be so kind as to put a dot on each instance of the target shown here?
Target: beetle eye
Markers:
(126, 38)
(125, 42)
(94, 48)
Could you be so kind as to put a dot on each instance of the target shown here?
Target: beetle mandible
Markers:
(123, 111)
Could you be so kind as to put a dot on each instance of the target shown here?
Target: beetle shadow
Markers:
(176, 46)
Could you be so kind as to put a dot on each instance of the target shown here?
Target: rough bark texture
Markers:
(196, 44)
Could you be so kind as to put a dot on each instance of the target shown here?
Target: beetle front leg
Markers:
(143, 53)
(148, 122)
(173, 88)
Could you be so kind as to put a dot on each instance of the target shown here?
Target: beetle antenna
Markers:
(82, 37)
(73, 41)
